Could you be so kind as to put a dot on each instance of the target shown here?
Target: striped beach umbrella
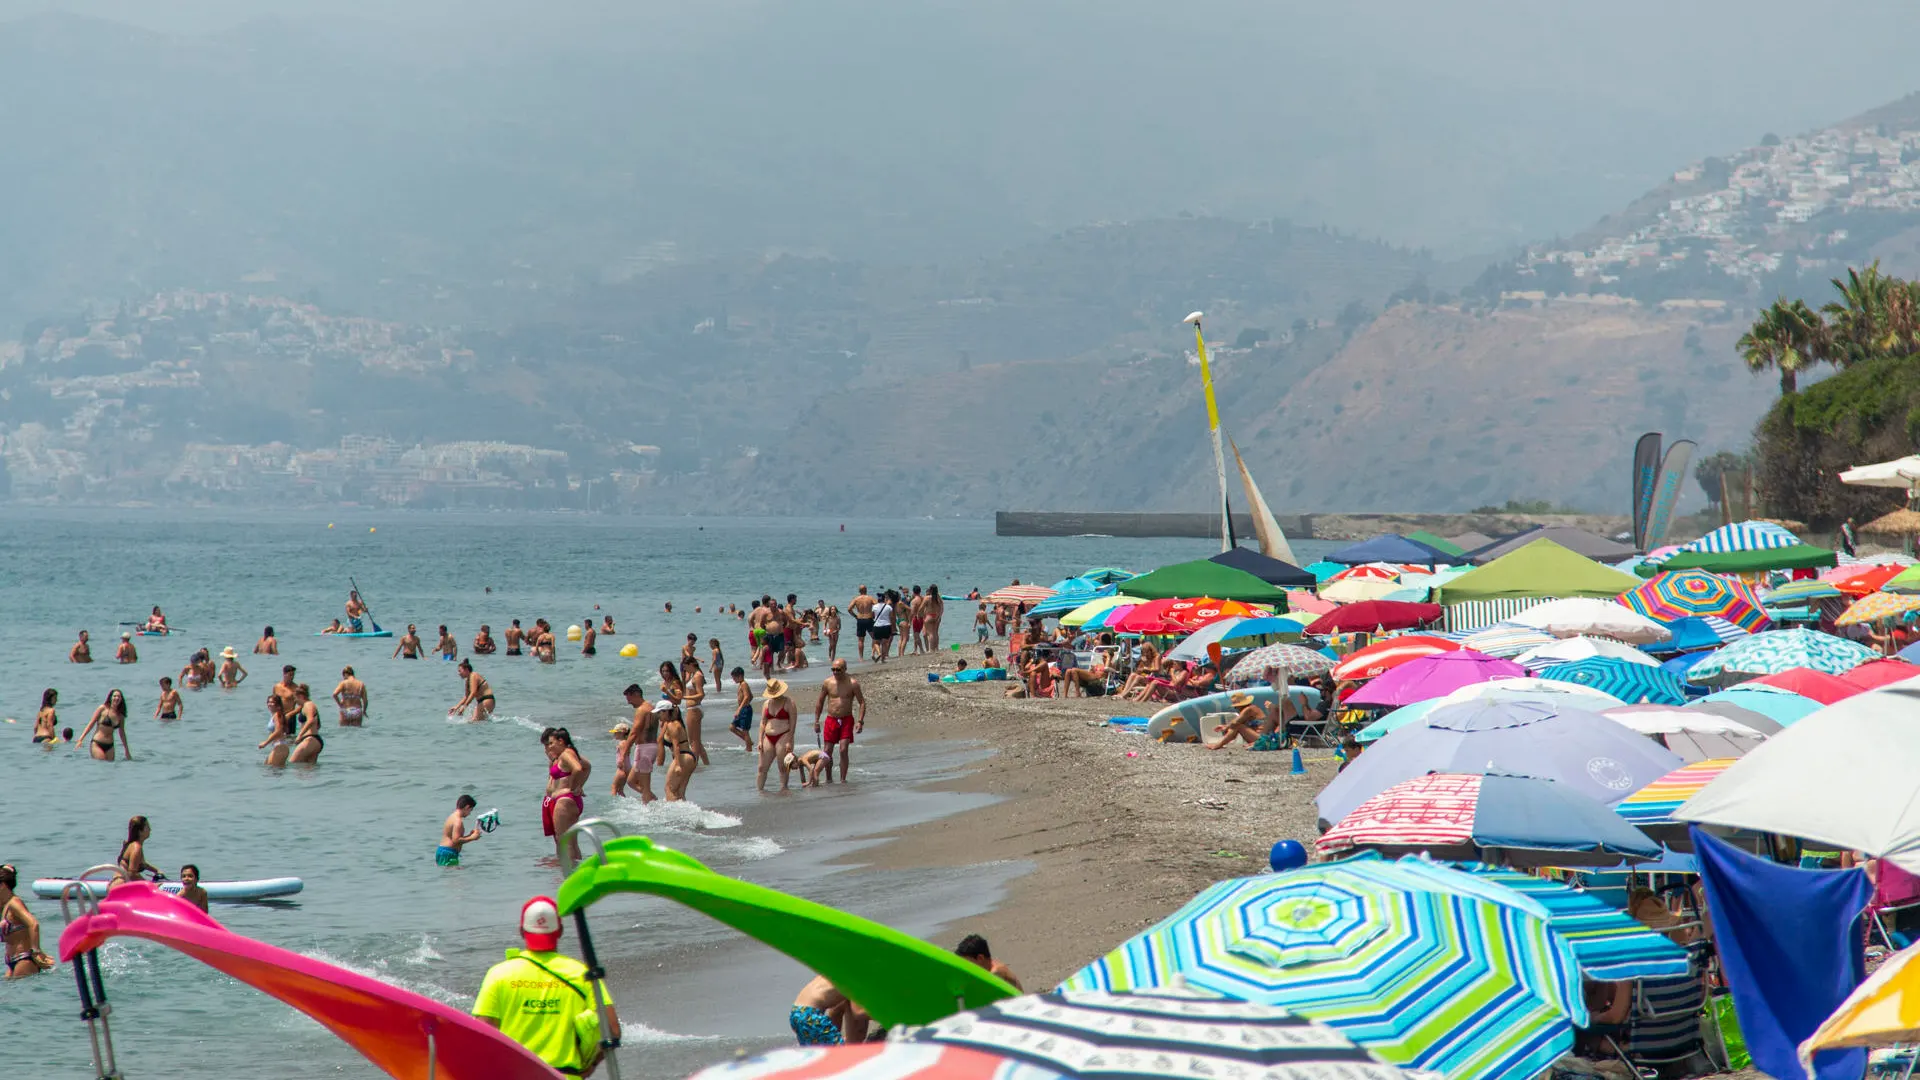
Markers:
(1423, 971)
(1778, 650)
(1783, 707)
(1293, 661)
(1879, 607)
(1574, 649)
(1609, 943)
(1744, 536)
(1469, 816)
(1506, 640)
(1099, 605)
(1373, 571)
(1630, 682)
(1794, 593)
(1678, 593)
(1019, 594)
(876, 1061)
(1176, 1034)
(1383, 656)
(1651, 808)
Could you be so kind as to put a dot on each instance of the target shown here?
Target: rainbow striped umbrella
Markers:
(1875, 607)
(1426, 967)
(1651, 808)
(874, 1060)
(1609, 943)
(1695, 592)
(1096, 607)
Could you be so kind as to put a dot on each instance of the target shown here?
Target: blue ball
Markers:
(1287, 855)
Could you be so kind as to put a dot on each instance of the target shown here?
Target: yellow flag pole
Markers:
(1213, 429)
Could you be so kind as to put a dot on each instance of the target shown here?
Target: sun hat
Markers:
(776, 688)
(540, 924)
(126, 635)
(1241, 700)
(228, 653)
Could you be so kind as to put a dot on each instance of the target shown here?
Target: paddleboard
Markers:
(1183, 717)
(232, 892)
(152, 633)
(361, 634)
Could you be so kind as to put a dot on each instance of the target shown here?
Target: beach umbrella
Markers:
(1433, 676)
(1577, 746)
(1875, 674)
(1696, 632)
(1589, 615)
(1374, 615)
(1385, 655)
(1627, 681)
(1538, 691)
(1778, 650)
(1101, 620)
(1847, 776)
(1107, 575)
(1813, 685)
(1695, 735)
(1323, 569)
(1884, 1010)
(1783, 707)
(1428, 968)
(1390, 548)
(1907, 581)
(1294, 661)
(1233, 632)
(1860, 579)
(1065, 600)
(1268, 569)
(1203, 577)
(1570, 650)
(1679, 593)
(1099, 605)
(1512, 819)
(1175, 1033)
(1355, 589)
(1019, 594)
(1800, 592)
(1302, 600)
(1506, 639)
(1369, 572)
(1879, 607)
(1651, 808)
(1609, 944)
(1180, 615)
(876, 1061)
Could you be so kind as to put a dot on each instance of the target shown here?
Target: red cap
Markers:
(540, 924)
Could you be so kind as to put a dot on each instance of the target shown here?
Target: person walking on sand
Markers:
(917, 619)
(352, 697)
(231, 673)
(125, 654)
(478, 694)
(719, 662)
(170, 706)
(982, 629)
(839, 696)
(639, 748)
(452, 836)
(861, 608)
(544, 1001)
(776, 733)
(82, 652)
(936, 609)
(882, 627)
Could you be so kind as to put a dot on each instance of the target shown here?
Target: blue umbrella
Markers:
(1070, 594)
(1610, 944)
(1677, 667)
(1696, 632)
(1630, 682)
(1783, 707)
(1459, 816)
(1591, 754)
(1323, 569)
(1391, 548)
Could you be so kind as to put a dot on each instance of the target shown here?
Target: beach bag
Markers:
(1726, 1023)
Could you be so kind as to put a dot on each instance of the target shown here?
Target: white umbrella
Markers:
(1902, 473)
(1354, 589)
(1694, 735)
(1522, 689)
(1588, 615)
(1568, 650)
(1847, 776)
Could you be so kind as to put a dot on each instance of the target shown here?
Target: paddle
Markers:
(371, 621)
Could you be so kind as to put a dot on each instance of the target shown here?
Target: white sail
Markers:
(1273, 542)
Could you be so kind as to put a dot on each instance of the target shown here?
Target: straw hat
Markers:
(776, 688)
(1241, 700)
(228, 653)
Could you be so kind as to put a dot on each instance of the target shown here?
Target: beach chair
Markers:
(1666, 1026)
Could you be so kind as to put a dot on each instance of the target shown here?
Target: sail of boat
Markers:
(1273, 542)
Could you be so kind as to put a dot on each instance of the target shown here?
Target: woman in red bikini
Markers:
(566, 799)
(776, 732)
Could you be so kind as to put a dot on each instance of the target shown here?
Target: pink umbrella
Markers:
(1434, 676)
(1302, 600)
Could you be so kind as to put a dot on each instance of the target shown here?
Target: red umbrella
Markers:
(1374, 615)
(1178, 616)
(1877, 673)
(1383, 656)
(1818, 685)
(1378, 571)
(1866, 580)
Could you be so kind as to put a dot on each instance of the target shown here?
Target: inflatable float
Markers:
(230, 892)
(1183, 717)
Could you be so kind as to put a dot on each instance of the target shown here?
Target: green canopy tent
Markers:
(1439, 543)
(1542, 570)
(1203, 577)
(1792, 557)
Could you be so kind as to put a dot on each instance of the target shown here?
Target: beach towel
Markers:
(1790, 947)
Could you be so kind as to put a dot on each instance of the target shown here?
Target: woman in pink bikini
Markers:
(566, 798)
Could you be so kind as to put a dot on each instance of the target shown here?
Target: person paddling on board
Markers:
(452, 837)
(545, 1001)
(356, 611)
(156, 622)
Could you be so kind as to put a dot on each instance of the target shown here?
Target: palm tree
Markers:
(1864, 326)
(1770, 344)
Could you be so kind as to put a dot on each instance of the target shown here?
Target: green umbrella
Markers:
(1203, 577)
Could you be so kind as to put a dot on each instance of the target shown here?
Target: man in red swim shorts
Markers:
(839, 695)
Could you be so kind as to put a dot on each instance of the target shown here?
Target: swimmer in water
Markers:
(719, 662)
(279, 731)
(190, 889)
(170, 706)
(483, 641)
(46, 723)
(693, 691)
(268, 645)
(566, 800)
(125, 653)
(82, 652)
(452, 839)
(479, 694)
(132, 860)
(446, 646)
(231, 673)
(742, 726)
(409, 646)
(307, 742)
(352, 697)
(514, 636)
(676, 749)
(108, 720)
(606, 624)
(588, 636)
(543, 648)
(639, 748)
(19, 930)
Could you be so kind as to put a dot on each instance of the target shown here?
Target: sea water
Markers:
(360, 827)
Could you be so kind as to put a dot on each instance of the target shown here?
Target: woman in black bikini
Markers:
(676, 748)
(133, 853)
(46, 725)
(307, 742)
(693, 691)
(109, 718)
(479, 694)
(19, 931)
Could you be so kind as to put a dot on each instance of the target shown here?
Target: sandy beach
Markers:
(1113, 842)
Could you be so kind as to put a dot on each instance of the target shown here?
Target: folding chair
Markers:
(1665, 1026)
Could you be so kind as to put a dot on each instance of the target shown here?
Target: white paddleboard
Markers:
(228, 891)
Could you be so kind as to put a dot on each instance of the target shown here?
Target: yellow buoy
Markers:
(372, 529)
(573, 633)
(329, 524)
(629, 650)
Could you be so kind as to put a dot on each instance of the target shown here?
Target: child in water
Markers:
(452, 838)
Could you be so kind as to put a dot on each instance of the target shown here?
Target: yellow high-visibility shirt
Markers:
(544, 1002)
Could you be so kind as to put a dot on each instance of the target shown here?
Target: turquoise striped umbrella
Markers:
(1609, 943)
(1430, 969)
(1628, 681)
(1776, 651)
